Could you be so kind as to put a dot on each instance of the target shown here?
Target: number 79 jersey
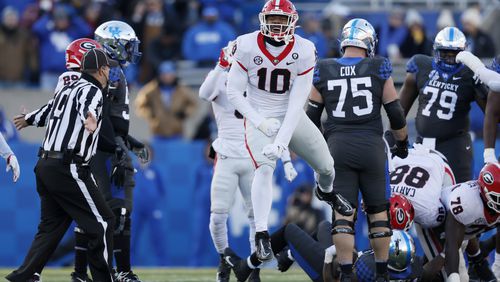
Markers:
(272, 70)
(444, 98)
(352, 90)
(463, 201)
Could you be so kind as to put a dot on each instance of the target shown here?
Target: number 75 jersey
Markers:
(352, 90)
(444, 98)
(272, 70)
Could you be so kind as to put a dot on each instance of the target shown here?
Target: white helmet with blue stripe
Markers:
(359, 33)
(119, 40)
(448, 42)
(401, 251)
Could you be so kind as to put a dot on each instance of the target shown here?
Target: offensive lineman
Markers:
(353, 89)
(278, 74)
(445, 90)
(233, 166)
(473, 207)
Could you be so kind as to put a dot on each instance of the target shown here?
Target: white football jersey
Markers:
(67, 78)
(272, 70)
(230, 129)
(463, 201)
(420, 178)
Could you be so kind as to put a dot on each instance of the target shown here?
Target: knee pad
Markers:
(379, 223)
(343, 226)
(123, 221)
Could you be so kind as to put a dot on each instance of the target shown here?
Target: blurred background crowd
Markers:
(180, 42)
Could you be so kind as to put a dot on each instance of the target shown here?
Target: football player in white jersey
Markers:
(74, 54)
(277, 75)
(233, 165)
(473, 207)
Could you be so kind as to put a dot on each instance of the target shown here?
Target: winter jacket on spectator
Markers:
(53, 42)
(165, 116)
(203, 41)
(318, 39)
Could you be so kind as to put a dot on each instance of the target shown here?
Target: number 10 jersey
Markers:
(272, 70)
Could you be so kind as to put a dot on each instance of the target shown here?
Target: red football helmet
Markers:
(402, 212)
(489, 180)
(278, 31)
(76, 49)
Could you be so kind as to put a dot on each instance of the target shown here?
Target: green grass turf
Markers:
(175, 275)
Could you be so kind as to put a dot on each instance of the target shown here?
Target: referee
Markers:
(64, 181)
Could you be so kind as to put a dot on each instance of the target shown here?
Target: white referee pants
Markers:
(307, 142)
(229, 174)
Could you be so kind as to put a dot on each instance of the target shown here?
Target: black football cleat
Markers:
(284, 262)
(80, 277)
(223, 271)
(255, 275)
(126, 277)
(35, 278)
(263, 249)
(481, 271)
(336, 201)
(240, 267)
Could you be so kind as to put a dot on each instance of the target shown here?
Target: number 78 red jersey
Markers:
(272, 70)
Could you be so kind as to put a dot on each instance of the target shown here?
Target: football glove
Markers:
(120, 164)
(489, 155)
(139, 149)
(273, 151)
(290, 172)
(14, 165)
(270, 126)
(397, 147)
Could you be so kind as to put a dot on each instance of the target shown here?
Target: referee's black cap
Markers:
(94, 59)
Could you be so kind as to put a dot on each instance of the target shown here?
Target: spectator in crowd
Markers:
(164, 47)
(228, 9)
(202, 42)
(55, 30)
(18, 55)
(149, 18)
(445, 19)
(392, 35)
(416, 41)
(301, 212)
(311, 29)
(165, 103)
(480, 43)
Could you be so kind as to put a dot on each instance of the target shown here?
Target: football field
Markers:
(175, 275)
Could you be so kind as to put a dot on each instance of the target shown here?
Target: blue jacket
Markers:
(203, 41)
(53, 43)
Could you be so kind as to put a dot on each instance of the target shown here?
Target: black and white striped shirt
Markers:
(65, 123)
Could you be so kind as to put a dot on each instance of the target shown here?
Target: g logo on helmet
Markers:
(400, 216)
(488, 178)
(87, 45)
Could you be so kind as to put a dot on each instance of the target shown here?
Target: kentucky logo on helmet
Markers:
(488, 178)
(115, 31)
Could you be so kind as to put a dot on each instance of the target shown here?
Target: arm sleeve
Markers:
(208, 89)
(237, 81)
(298, 96)
(5, 150)
(490, 78)
(39, 117)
